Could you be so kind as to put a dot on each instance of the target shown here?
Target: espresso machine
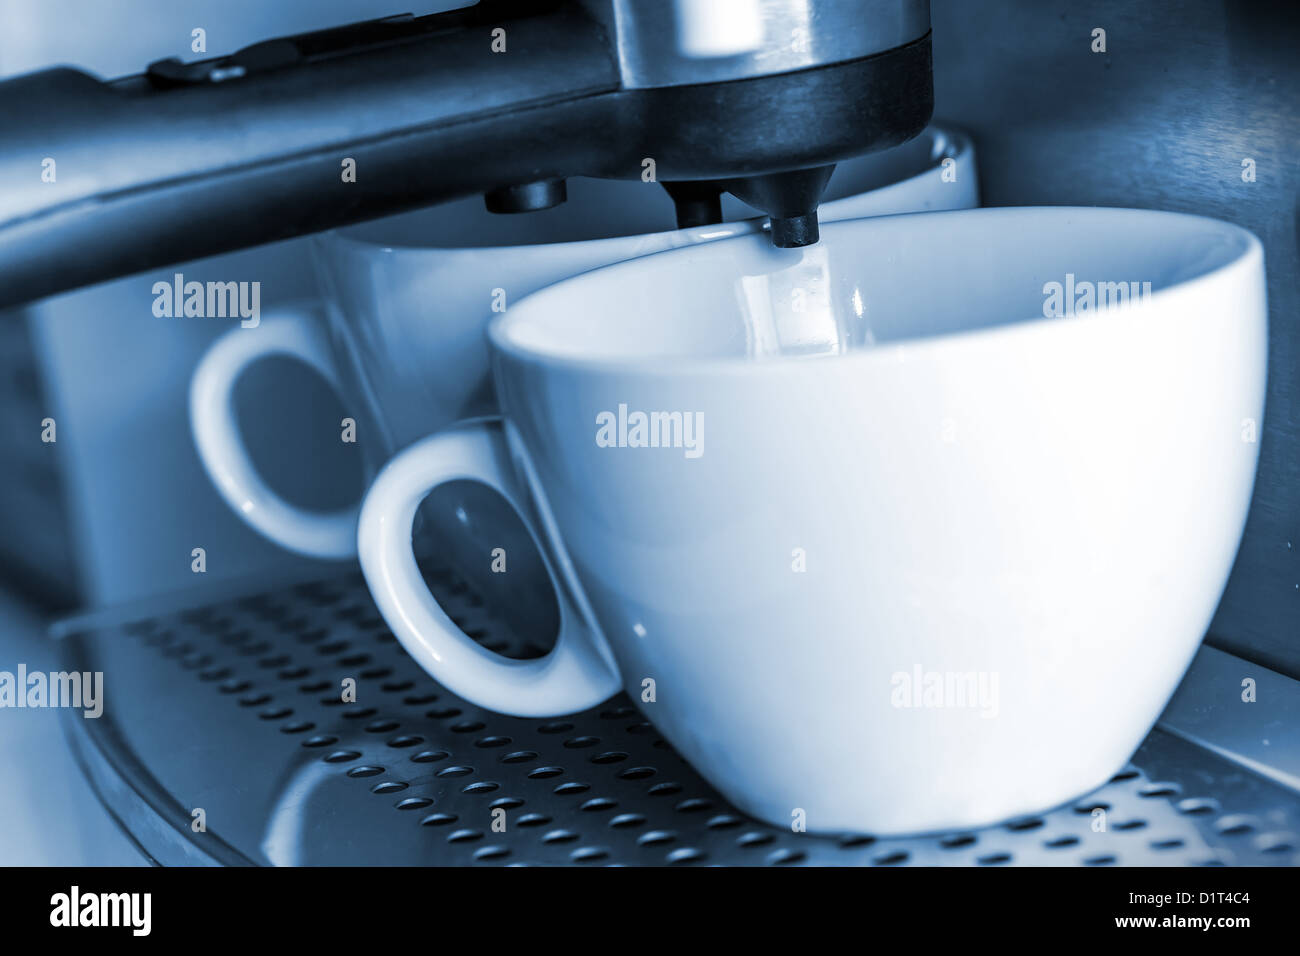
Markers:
(505, 99)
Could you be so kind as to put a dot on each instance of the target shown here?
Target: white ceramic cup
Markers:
(947, 576)
(408, 299)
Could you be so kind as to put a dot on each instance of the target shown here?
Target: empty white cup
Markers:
(946, 577)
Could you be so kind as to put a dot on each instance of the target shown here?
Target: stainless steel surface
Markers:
(234, 708)
(1163, 120)
(36, 548)
(796, 34)
(49, 816)
(1241, 711)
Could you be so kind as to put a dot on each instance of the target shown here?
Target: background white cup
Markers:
(408, 299)
(870, 587)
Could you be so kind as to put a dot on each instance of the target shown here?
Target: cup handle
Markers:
(575, 675)
(221, 447)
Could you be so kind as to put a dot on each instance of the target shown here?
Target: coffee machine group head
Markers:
(761, 98)
(506, 98)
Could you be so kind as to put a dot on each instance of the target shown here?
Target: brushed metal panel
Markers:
(1186, 90)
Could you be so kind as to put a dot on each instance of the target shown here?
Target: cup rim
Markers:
(500, 340)
(947, 142)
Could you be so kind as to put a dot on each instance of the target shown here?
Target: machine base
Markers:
(225, 740)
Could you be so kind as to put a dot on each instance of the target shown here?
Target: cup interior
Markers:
(867, 283)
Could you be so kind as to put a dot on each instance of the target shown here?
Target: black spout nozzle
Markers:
(794, 231)
(790, 199)
(698, 202)
(526, 197)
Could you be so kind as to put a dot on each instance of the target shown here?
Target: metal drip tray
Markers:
(234, 709)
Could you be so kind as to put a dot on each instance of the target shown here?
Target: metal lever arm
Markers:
(104, 179)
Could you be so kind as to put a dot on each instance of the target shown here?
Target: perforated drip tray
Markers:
(234, 710)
